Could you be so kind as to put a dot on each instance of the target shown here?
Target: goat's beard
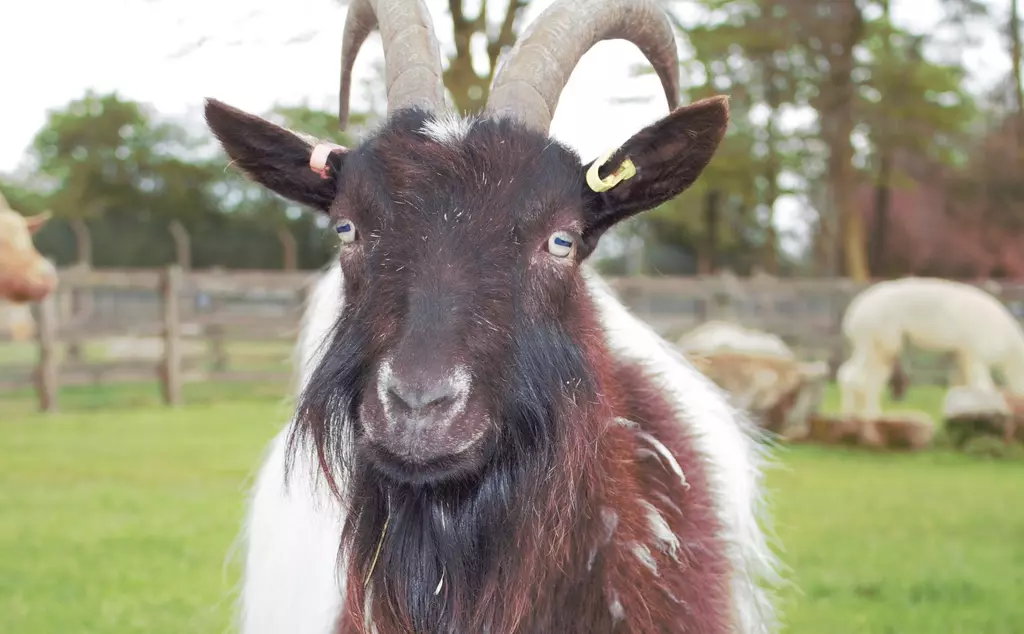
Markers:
(419, 556)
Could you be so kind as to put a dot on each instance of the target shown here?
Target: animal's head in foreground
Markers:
(461, 239)
(25, 275)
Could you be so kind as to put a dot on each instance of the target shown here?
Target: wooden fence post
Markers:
(218, 347)
(171, 371)
(182, 244)
(289, 248)
(48, 370)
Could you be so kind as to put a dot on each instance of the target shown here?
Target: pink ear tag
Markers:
(318, 158)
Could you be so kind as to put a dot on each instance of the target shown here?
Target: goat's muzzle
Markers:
(422, 424)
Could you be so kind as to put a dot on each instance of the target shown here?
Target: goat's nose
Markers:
(422, 398)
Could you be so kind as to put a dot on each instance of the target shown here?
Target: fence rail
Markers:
(179, 326)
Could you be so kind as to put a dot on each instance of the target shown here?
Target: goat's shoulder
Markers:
(668, 552)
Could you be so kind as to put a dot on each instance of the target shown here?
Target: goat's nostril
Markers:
(441, 402)
(419, 399)
(398, 401)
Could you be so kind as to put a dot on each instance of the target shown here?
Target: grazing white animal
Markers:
(934, 314)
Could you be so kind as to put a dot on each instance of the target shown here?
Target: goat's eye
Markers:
(561, 244)
(346, 230)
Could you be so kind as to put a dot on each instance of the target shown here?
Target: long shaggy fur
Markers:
(290, 528)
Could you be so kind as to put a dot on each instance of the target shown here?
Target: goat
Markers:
(485, 440)
(931, 313)
(25, 275)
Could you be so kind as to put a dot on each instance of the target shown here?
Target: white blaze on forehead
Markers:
(448, 128)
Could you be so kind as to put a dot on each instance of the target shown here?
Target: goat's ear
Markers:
(275, 157)
(655, 165)
(36, 222)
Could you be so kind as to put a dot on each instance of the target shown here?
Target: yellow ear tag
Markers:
(625, 171)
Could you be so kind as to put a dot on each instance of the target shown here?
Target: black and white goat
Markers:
(486, 440)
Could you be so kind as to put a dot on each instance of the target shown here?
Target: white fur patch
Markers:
(643, 553)
(609, 522)
(616, 609)
(666, 454)
(318, 318)
(449, 128)
(668, 541)
(625, 422)
(384, 374)
(292, 536)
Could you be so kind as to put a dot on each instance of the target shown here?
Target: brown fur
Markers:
(449, 266)
(565, 554)
(25, 275)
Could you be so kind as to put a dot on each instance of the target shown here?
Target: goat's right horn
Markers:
(537, 68)
(412, 55)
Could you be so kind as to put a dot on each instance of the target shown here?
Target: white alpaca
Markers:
(715, 336)
(934, 314)
(293, 582)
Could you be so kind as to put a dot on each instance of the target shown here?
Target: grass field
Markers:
(120, 517)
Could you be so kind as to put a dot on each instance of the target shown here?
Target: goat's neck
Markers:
(481, 557)
(591, 541)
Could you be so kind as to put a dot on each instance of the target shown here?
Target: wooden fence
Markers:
(173, 326)
(180, 326)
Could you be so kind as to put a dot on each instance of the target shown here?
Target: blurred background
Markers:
(870, 140)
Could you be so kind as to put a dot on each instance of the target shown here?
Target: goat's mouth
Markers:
(423, 449)
(407, 469)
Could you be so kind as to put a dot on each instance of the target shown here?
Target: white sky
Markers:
(51, 57)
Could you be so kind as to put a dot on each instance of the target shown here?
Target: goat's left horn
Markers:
(537, 68)
(412, 55)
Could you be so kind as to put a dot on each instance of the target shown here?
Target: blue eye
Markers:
(346, 230)
(561, 244)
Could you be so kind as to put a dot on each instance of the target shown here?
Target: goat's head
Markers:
(461, 239)
(25, 275)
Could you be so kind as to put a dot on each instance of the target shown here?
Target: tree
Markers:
(916, 114)
(113, 166)
(466, 76)
(468, 87)
(1018, 77)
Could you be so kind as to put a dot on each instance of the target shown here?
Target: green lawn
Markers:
(120, 517)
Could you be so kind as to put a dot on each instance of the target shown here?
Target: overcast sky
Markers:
(254, 53)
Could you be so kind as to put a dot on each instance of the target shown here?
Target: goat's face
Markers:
(450, 245)
(460, 246)
(25, 275)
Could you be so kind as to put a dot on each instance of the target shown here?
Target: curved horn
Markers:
(537, 68)
(412, 56)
